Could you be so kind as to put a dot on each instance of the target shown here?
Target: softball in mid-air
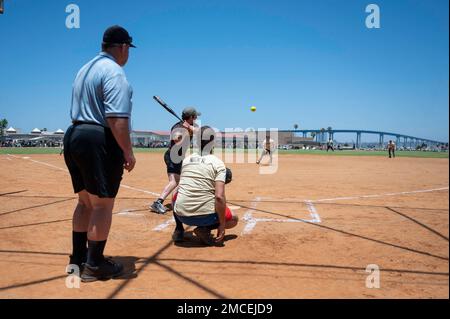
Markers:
(253, 109)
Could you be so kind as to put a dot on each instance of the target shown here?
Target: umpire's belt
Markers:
(75, 123)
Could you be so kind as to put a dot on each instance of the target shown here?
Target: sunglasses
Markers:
(117, 45)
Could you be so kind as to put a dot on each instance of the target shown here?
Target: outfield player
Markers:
(201, 198)
(269, 147)
(330, 145)
(391, 149)
(180, 136)
(97, 147)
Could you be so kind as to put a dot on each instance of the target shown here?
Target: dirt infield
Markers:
(309, 231)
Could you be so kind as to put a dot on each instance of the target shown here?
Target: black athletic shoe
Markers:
(106, 270)
(178, 236)
(77, 262)
(204, 234)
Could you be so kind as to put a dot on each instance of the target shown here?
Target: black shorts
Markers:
(94, 159)
(172, 168)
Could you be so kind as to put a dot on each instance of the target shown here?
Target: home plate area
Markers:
(262, 210)
(268, 210)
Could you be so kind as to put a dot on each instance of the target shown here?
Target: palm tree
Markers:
(3, 125)
(322, 131)
(292, 133)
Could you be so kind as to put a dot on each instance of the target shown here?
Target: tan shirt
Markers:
(196, 191)
(391, 146)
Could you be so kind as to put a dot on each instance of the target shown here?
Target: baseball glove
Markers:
(228, 176)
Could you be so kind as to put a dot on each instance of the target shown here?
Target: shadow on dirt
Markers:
(192, 241)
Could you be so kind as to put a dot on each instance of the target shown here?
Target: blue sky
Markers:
(313, 63)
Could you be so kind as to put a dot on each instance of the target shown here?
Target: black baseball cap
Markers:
(117, 35)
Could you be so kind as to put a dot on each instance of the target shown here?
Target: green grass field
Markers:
(369, 153)
(39, 150)
(29, 150)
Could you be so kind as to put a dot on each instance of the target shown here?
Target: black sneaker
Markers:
(106, 270)
(204, 234)
(158, 207)
(75, 262)
(178, 236)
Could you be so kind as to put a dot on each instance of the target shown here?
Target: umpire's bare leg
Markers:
(92, 218)
(101, 217)
(80, 225)
(91, 222)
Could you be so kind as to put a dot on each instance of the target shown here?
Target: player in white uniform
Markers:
(269, 146)
(391, 149)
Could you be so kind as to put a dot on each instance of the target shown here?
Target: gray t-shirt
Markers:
(101, 90)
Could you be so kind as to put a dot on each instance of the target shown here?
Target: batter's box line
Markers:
(164, 225)
(128, 212)
(66, 171)
(252, 221)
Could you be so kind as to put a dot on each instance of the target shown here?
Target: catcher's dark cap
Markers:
(190, 111)
(117, 35)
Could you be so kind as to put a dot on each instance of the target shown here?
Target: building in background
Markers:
(36, 138)
(151, 139)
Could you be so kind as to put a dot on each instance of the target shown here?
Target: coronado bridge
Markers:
(322, 135)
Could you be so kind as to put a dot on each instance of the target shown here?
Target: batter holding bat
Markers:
(201, 199)
(180, 140)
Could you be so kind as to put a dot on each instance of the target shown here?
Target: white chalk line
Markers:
(377, 195)
(128, 212)
(65, 170)
(39, 162)
(252, 221)
(248, 218)
(164, 225)
(313, 212)
(315, 217)
(139, 190)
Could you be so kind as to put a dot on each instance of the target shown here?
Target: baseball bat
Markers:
(168, 108)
